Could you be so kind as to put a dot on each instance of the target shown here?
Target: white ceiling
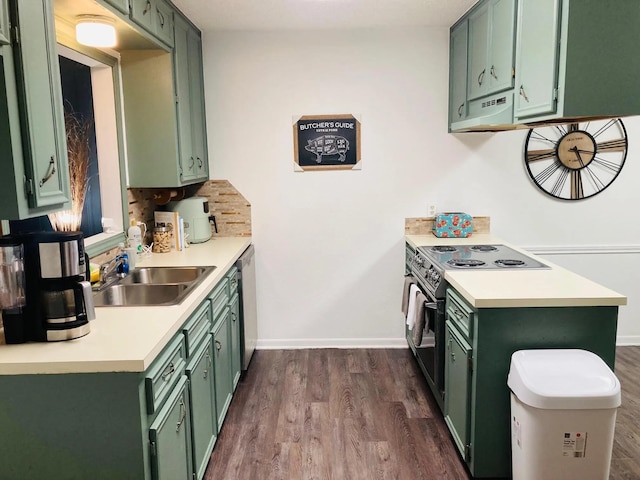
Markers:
(320, 14)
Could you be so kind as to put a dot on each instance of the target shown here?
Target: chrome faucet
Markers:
(111, 271)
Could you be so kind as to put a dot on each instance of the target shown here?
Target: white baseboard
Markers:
(628, 340)
(298, 343)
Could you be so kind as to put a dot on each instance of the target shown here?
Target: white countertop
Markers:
(127, 339)
(554, 287)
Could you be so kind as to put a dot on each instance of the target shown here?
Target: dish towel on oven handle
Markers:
(411, 309)
(408, 281)
(422, 306)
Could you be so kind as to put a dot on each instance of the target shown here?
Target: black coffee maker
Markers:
(59, 300)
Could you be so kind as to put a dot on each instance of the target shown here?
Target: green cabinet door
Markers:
(491, 46)
(503, 23)
(40, 103)
(187, 61)
(478, 52)
(142, 12)
(170, 437)
(537, 50)
(457, 402)
(120, 5)
(187, 160)
(222, 364)
(163, 22)
(458, 72)
(203, 406)
(196, 102)
(235, 340)
(4, 22)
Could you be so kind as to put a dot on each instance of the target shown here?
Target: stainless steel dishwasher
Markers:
(248, 311)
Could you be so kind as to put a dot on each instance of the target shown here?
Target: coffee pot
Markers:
(12, 296)
(59, 297)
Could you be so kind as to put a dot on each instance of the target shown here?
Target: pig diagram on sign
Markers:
(328, 145)
(326, 142)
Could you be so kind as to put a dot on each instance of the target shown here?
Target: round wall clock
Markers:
(576, 160)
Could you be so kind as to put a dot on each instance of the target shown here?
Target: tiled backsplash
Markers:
(231, 209)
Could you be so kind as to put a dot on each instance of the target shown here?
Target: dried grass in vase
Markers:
(78, 134)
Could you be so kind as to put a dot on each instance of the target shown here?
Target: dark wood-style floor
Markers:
(363, 414)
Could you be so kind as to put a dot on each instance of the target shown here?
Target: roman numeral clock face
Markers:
(576, 160)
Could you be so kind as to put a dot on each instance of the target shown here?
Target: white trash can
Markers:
(563, 415)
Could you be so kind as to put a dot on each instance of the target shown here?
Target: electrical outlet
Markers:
(431, 210)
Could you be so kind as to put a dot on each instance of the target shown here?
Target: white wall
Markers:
(330, 245)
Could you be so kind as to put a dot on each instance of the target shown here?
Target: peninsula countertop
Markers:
(553, 287)
(127, 339)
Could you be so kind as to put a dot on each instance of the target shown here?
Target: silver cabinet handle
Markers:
(183, 410)
(453, 356)
(147, 7)
(161, 18)
(233, 316)
(523, 94)
(458, 314)
(193, 162)
(169, 371)
(218, 345)
(206, 370)
(493, 72)
(50, 171)
(200, 162)
(460, 109)
(481, 77)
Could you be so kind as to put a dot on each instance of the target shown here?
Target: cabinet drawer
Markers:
(219, 298)
(197, 327)
(164, 373)
(460, 313)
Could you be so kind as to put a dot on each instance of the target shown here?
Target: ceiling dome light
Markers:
(95, 31)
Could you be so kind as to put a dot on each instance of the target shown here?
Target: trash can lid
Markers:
(563, 379)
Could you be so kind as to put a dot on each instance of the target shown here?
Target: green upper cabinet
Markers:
(491, 39)
(458, 71)
(545, 60)
(164, 112)
(537, 45)
(187, 61)
(34, 171)
(4, 22)
(120, 5)
(576, 58)
(155, 16)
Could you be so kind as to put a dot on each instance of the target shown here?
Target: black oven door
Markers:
(429, 347)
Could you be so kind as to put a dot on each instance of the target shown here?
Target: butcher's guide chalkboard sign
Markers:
(326, 142)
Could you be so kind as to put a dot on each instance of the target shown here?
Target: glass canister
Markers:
(12, 297)
(161, 240)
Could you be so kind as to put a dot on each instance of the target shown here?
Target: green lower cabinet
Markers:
(480, 343)
(222, 364)
(457, 401)
(235, 340)
(170, 437)
(200, 372)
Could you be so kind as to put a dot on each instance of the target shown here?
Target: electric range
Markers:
(430, 263)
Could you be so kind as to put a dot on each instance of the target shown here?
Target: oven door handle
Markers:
(431, 305)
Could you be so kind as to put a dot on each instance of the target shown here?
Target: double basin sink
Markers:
(152, 286)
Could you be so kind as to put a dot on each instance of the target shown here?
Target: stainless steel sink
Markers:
(165, 275)
(152, 286)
